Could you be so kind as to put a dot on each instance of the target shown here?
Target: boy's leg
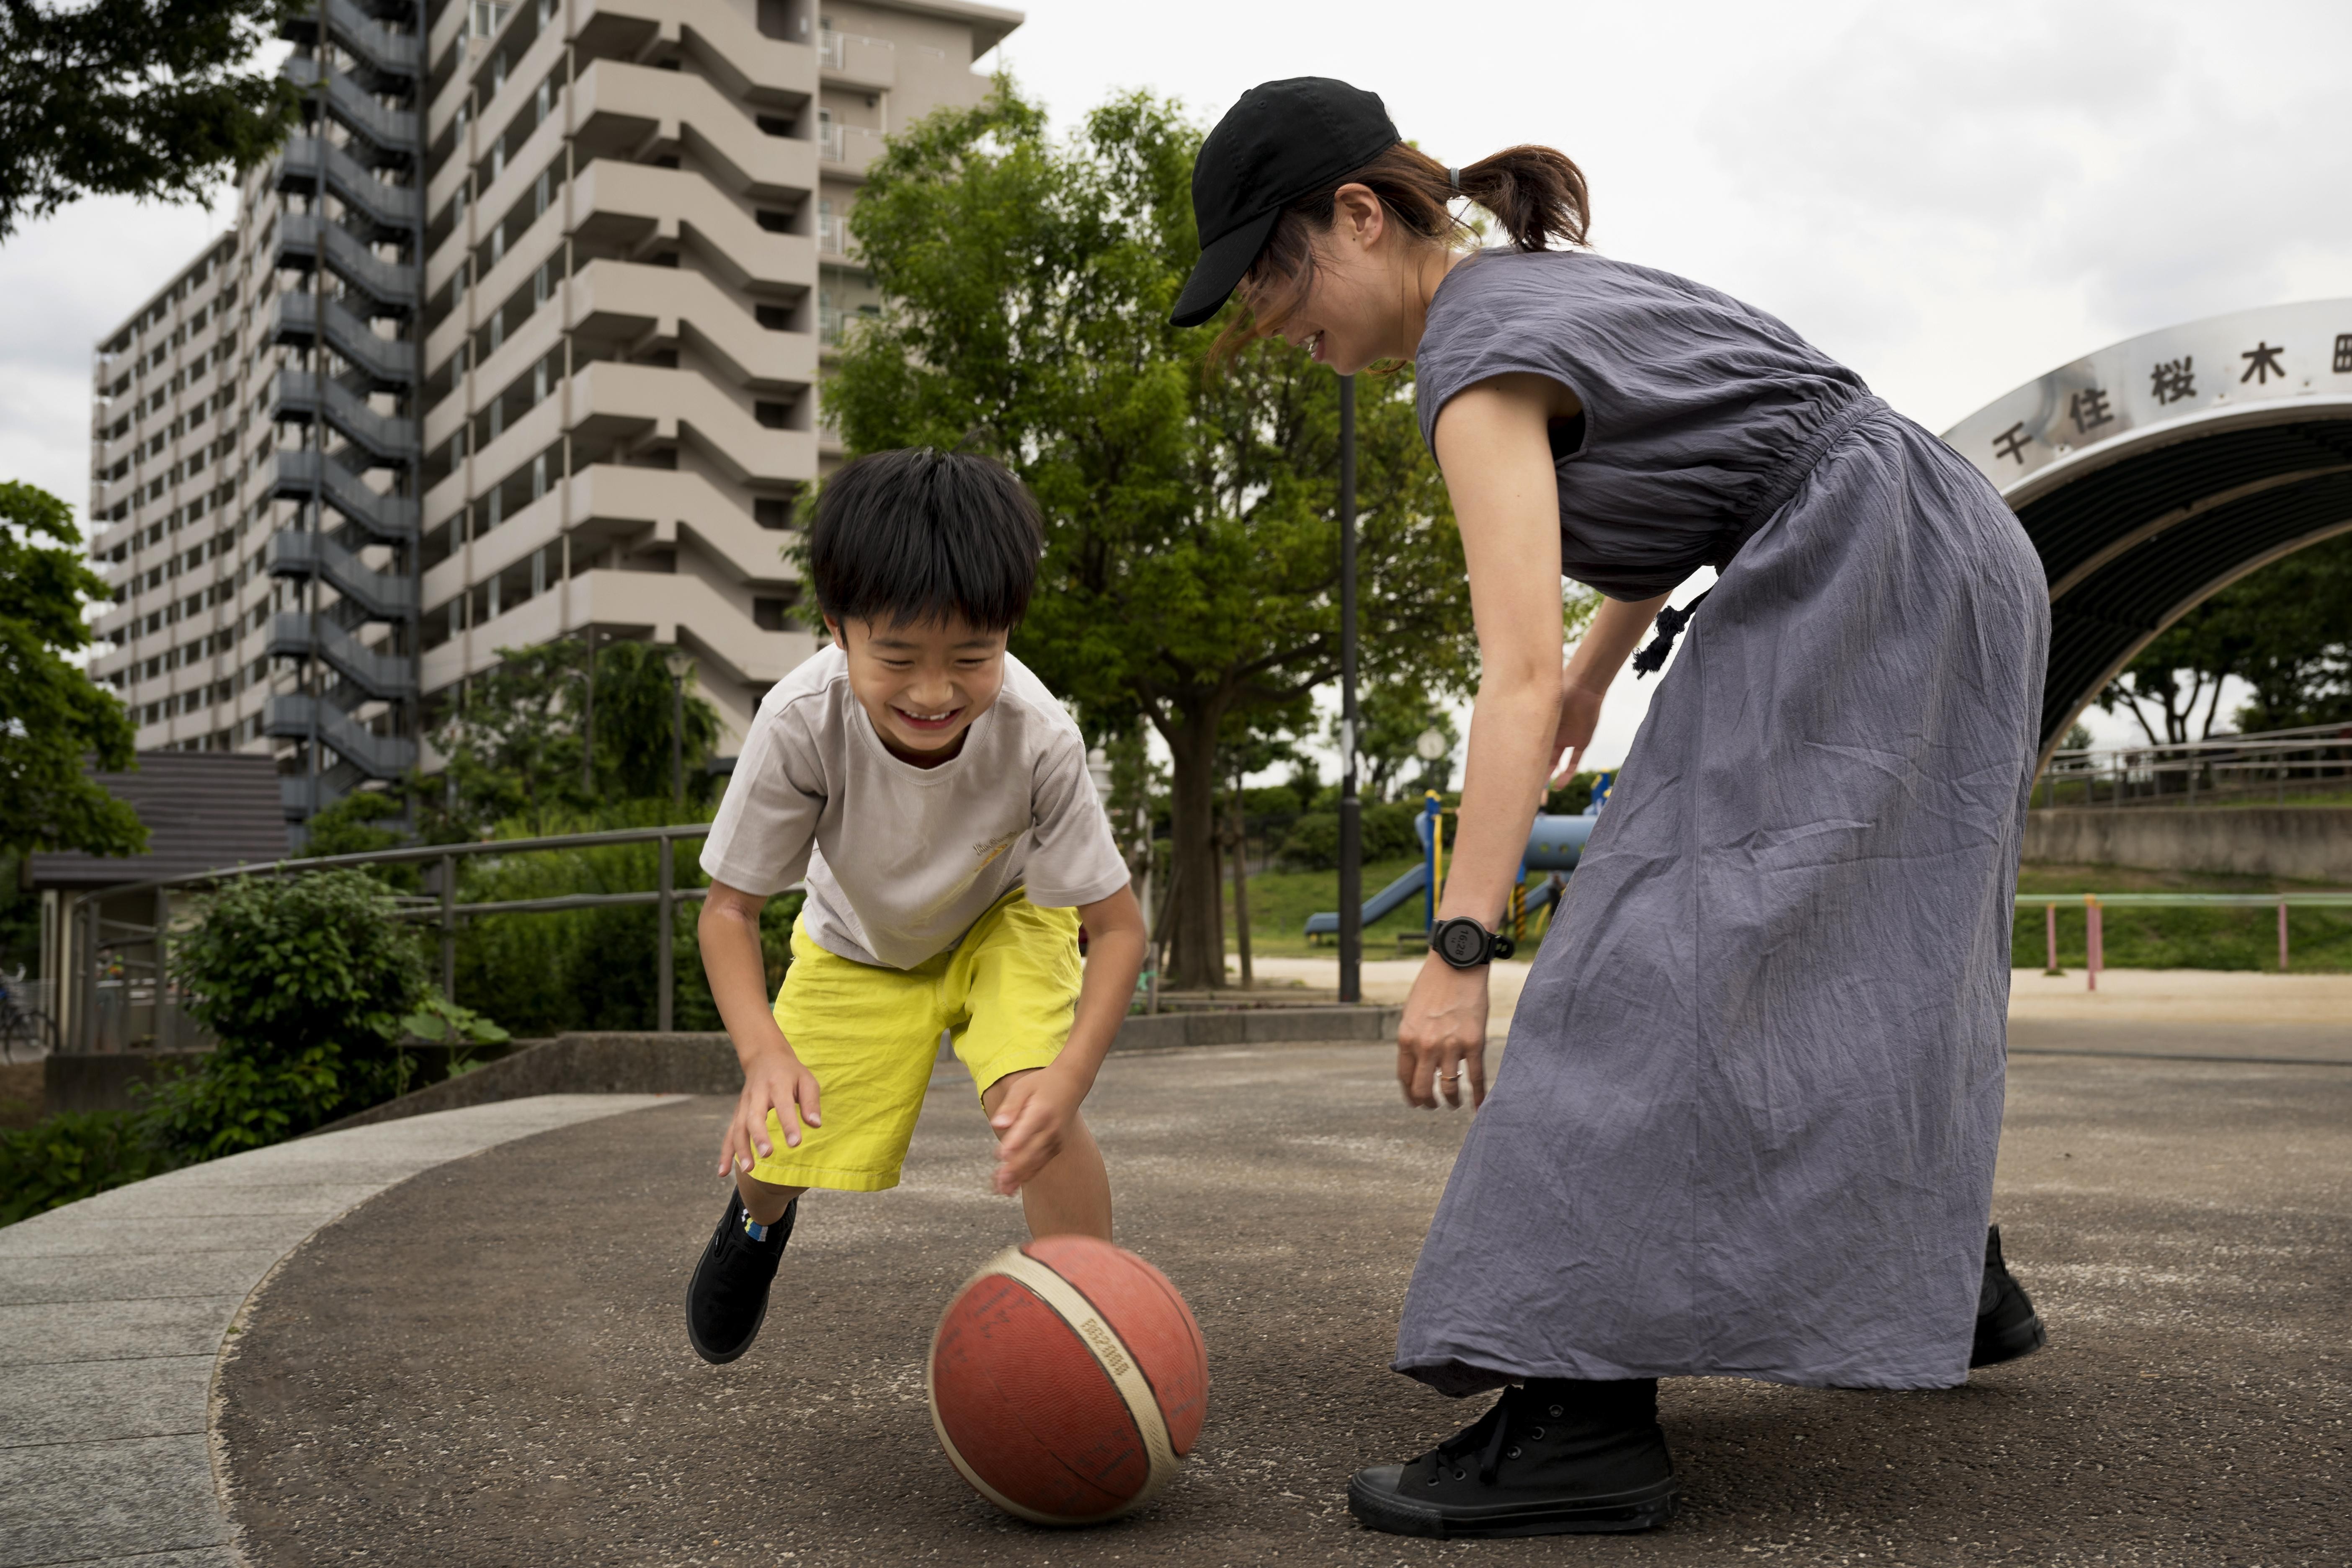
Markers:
(868, 1035)
(1071, 1197)
(765, 1203)
(1014, 985)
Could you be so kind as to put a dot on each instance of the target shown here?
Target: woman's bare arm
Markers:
(1497, 455)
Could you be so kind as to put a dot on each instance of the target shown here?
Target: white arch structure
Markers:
(2156, 472)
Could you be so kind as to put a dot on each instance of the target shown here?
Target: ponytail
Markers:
(1538, 193)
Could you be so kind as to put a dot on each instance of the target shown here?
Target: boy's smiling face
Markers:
(921, 683)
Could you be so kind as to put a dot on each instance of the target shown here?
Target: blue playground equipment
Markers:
(1554, 843)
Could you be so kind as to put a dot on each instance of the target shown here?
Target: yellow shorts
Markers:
(871, 1035)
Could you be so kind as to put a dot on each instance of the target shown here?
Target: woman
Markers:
(1746, 1123)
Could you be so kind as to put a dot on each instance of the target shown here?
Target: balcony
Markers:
(852, 59)
(846, 152)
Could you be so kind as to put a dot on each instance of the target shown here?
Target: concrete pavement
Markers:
(113, 1312)
(487, 1364)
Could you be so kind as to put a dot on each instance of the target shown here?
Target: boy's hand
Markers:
(1031, 1121)
(772, 1080)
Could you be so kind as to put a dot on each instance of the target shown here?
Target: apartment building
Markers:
(519, 339)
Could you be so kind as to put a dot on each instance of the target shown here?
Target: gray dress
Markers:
(1745, 1122)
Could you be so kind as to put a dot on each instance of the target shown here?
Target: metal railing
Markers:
(2244, 768)
(101, 941)
(2094, 905)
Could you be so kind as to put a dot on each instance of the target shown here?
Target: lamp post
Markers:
(1351, 836)
(678, 662)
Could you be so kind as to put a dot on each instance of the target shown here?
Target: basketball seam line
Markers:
(1150, 1422)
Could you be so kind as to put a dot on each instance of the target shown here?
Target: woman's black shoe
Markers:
(2006, 1325)
(728, 1300)
(1552, 1457)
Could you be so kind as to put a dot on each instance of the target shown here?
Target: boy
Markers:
(936, 797)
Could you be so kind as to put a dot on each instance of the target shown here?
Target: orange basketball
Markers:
(1067, 1381)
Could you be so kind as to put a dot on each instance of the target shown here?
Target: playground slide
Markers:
(1408, 885)
(1554, 843)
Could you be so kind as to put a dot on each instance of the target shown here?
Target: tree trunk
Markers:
(1197, 959)
(1240, 885)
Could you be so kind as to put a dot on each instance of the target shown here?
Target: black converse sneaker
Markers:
(2007, 1327)
(728, 1300)
(1552, 1457)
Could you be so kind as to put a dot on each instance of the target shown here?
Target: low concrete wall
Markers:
(705, 1064)
(103, 1083)
(73, 1082)
(2310, 843)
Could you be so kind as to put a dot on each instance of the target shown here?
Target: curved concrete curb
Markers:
(113, 1312)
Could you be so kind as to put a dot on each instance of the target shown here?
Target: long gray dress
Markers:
(1745, 1122)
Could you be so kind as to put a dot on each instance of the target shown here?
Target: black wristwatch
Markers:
(1465, 944)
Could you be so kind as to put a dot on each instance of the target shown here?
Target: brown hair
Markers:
(1537, 193)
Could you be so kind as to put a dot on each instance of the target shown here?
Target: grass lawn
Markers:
(2320, 940)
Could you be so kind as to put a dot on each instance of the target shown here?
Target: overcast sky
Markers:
(1950, 198)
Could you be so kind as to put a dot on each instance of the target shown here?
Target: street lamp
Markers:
(680, 663)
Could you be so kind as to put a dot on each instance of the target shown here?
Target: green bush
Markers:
(70, 1156)
(308, 982)
(1314, 841)
(595, 969)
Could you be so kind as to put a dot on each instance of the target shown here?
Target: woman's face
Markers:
(1352, 314)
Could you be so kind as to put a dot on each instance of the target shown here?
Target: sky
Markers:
(1951, 198)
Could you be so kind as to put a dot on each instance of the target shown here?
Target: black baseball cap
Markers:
(1282, 140)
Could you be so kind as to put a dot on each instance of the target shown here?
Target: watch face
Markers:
(1464, 941)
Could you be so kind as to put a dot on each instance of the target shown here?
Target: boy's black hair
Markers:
(919, 534)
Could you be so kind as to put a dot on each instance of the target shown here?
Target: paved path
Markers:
(2215, 1000)
(487, 1364)
(113, 1312)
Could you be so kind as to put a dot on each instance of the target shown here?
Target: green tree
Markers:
(2286, 630)
(53, 718)
(1392, 719)
(157, 99)
(513, 737)
(1191, 560)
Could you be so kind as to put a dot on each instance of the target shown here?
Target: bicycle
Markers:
(27, 1034)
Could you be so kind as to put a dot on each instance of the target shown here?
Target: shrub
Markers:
(72, 1155)
(1314, 841)
(308, 982)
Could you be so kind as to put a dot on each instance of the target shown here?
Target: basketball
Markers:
(1067, 1381)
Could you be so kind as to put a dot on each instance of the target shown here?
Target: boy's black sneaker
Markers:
(2007, 1327)
(1552, 1457)
(728, 1300)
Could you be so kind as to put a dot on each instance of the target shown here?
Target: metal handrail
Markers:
(2140, 775)
(446, 911)
(2095, 906)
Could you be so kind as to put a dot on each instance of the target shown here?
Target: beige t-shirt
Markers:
(901, 860)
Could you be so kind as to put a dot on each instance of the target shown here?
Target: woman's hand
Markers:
(1579, 715)
(1443, 1040)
